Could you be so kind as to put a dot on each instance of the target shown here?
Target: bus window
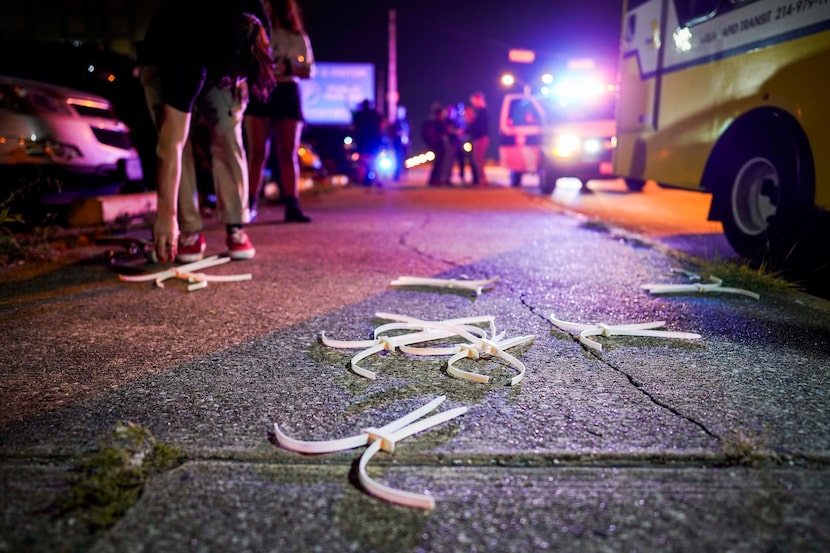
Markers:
(690, 12)
(694, 12)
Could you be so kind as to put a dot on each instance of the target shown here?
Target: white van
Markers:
(522, 120)
(579, 140)
(567, 131)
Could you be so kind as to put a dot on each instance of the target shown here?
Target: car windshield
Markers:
(580, 108)
(583, 111)
(523, 112)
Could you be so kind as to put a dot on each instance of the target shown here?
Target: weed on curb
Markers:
(113, 478)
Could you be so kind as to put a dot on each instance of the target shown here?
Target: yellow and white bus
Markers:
(730, 97)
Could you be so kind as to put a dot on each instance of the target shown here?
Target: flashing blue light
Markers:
(385, 163)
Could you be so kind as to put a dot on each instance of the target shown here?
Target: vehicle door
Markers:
(521, 121)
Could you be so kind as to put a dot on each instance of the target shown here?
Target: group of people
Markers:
(446, 131)
(236, 63)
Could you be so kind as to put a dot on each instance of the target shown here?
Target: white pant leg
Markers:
(188, 201)
(223, 110)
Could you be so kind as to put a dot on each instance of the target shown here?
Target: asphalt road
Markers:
(678, 219)
(719, 443)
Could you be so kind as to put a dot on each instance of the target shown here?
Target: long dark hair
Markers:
(256, 63)
(288, 15)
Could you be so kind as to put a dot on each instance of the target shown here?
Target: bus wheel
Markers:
(635, 185)
(515, 179)
(761, 206)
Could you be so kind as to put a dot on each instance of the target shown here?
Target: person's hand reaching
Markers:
(166, 238)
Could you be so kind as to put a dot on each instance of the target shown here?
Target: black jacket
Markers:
(199, 33)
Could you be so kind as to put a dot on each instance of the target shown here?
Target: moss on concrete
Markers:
(113, 478)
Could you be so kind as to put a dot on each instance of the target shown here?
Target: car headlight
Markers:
(566, 145)
(30, 101)
(592, 145)
(57, 151)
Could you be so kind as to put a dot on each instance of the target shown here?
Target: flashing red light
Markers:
(521, 56)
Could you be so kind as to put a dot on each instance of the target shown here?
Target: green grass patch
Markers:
(747, 448)
(113, 478)
(740, 274)
(595, 225)
(10, 249)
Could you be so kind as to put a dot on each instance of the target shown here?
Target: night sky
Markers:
(449, 48)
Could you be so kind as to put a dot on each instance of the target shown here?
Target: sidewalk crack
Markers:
(631, 380)
(402, 240)
(651, 397)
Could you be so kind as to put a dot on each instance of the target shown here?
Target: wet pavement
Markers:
(652, 444)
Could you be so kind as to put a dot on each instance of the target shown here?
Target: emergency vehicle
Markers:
(728, 97)
(521, 120)
(565, 130)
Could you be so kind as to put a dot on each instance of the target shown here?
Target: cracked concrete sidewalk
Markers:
(719, 444)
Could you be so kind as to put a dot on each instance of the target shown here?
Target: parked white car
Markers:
(58, 144)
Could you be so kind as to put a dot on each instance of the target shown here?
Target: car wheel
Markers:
(516, 179)
(761, 194)
(547, 181)
(635, 185)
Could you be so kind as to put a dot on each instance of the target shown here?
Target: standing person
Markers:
(433, 132)
(400, 131)
(367, 125)
(453, 145)
(205, 53)
(462, 155)
(281, 116)
(479, 132)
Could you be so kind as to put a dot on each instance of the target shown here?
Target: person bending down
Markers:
(205, 53)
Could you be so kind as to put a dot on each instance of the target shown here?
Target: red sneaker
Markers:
(239, 245)
(191, 247)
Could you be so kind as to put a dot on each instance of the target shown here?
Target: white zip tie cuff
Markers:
(187, 273)
(699, 288)
(384, 438)
(477, 350)
(635, 329)
(478, 344)
(476, 286)
(488, 319)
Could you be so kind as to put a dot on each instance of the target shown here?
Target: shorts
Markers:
(284, 103)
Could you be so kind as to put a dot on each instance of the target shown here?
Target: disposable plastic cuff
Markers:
(384, 438)
(380, 344)
(186, 272)
(400, 497)
(476, 286)
(211, 261)
(635, 329)
(698, 288)
(494, 348)
(490, 320)
(425, 331)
